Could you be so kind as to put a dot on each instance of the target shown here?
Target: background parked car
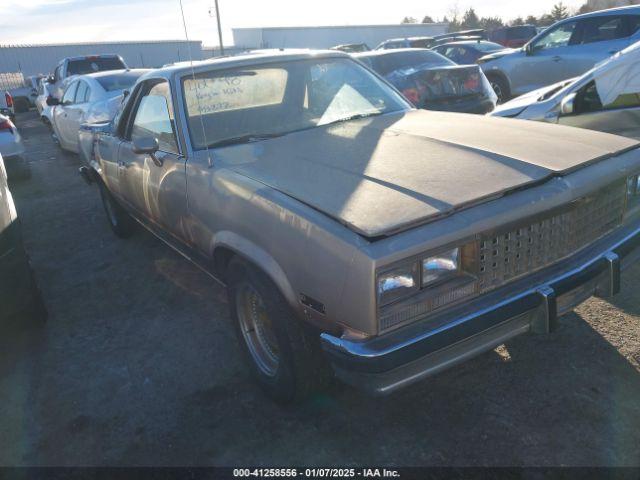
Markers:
(432, 81)
(565, 50)
(6, 105)
(90, 98)
(477, 34)
(19, 294)
(513, 37)
(607, 98)
(352, 47)
(467, 52)
(68, 67)
(411, 42)
(12, 150)
(24, 97)
(43, 93)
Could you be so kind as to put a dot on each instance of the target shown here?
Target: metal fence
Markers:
(36, 59)
(11, 80)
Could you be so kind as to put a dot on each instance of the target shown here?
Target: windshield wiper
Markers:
(356, 116)
(248, 138)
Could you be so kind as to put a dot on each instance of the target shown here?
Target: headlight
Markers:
(397, 283)
(633, 192)
(440, 267)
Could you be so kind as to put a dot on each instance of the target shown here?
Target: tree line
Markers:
(471, 20)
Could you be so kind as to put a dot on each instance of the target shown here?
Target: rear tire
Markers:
(501, 87)
(119, 220)
(284, 354)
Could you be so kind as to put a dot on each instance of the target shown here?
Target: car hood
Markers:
(384, 174)
(516, 106)
(498, 54)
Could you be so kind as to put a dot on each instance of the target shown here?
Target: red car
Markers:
(513, 37)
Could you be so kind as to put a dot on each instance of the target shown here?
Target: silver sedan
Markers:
(89, 98)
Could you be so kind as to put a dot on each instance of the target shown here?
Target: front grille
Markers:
(523, 249)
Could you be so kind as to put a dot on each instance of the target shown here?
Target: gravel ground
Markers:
(138, 365)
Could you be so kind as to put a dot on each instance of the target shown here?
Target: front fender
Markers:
(260, 258)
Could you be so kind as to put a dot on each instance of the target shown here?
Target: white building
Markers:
(326, 37)
(34, 59)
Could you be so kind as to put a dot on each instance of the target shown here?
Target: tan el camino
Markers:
(358, 236)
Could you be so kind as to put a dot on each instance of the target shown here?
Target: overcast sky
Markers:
(58, 21)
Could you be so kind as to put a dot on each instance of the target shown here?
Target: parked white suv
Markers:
(565, 50)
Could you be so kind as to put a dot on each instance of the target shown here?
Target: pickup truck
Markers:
(83, 65)
(357, 236)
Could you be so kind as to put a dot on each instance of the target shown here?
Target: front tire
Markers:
(119, 220)
(283, 354)
(501, 87)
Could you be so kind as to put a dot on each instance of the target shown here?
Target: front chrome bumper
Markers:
(386, 363)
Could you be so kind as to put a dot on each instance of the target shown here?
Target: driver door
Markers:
(154, 186)
(545, 61)
(61, 116)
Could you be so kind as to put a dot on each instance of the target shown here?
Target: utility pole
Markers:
(219, 26)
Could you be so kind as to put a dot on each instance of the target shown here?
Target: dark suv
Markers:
(513, 37)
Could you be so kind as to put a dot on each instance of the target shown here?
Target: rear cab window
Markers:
(94, 64)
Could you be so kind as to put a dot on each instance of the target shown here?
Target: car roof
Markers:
(244, 60)
(107, 73)
(84, 57)
(468, 42)
(627, 10)
(395, 51)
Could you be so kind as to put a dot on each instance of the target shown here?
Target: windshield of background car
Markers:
(119, 81)
(280, 98)
(385, 64)
(92, 65)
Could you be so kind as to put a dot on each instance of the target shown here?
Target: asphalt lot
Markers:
(138, 365)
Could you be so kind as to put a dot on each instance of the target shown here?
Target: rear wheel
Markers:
(119, 220)
(283, 354)
(500, 86)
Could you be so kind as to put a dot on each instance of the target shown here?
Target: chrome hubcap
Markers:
(257, 330)
(498, 90)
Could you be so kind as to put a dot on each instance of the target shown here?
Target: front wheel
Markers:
(283, 354)
(119, 220)
(501, 87)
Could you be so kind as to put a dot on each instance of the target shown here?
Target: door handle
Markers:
(556, 58)
(613, 52)
(158, 162)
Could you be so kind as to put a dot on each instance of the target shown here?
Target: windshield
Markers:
(119, 81)
(385, 64)
(94, 64)
(279, 98)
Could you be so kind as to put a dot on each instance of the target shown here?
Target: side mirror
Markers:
(147, 146)
(52, 101)
(51, 79)
(528, 49)
(567, 104)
